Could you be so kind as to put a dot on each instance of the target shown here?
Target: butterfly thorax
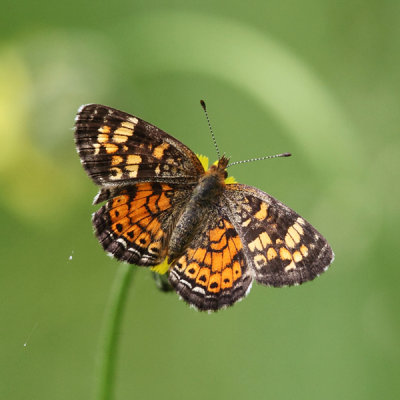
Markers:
(211, 184)
(205, 196)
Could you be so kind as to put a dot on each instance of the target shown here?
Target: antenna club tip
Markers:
(203, 104)
(286, 154)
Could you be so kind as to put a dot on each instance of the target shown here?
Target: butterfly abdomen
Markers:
(204, 196)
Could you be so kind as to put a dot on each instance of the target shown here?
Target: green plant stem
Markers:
(108, 343)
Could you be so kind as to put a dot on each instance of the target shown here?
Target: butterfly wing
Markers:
(213, 272)
(145, 174)
(282, 247)
(135, 226)
(117, 148)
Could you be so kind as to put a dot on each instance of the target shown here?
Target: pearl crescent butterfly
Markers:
(161, 205)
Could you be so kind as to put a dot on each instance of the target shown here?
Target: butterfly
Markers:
(161, 204)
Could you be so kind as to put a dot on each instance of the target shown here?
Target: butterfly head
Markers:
(219, 168)
(223, 162)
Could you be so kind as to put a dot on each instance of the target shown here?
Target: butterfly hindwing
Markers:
(282, 248)
(212, 273)
(135, 225)
(116, 148)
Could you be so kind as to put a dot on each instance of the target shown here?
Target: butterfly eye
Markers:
(225, 174)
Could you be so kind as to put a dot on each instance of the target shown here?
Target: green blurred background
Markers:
(319, 79)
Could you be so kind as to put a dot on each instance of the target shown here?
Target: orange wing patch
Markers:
(217, 259)
(110, 141)
(138, 223)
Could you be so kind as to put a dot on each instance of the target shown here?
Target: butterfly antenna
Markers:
(203, 104)
(259, 159)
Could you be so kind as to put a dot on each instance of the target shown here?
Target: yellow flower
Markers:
(161, 268)
(203, 160)
(164, 266)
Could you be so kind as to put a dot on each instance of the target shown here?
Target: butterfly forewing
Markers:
(282, 247)
(117, 148)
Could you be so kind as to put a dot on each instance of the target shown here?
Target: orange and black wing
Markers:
(213, 272)
(135, 226)
(282, 248)
(117, 148)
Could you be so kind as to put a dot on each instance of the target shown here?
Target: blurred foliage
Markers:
(318, 79)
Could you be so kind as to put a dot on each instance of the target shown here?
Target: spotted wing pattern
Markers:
(135, 225)
(117, 148)
(213, 271)
(282, 248)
